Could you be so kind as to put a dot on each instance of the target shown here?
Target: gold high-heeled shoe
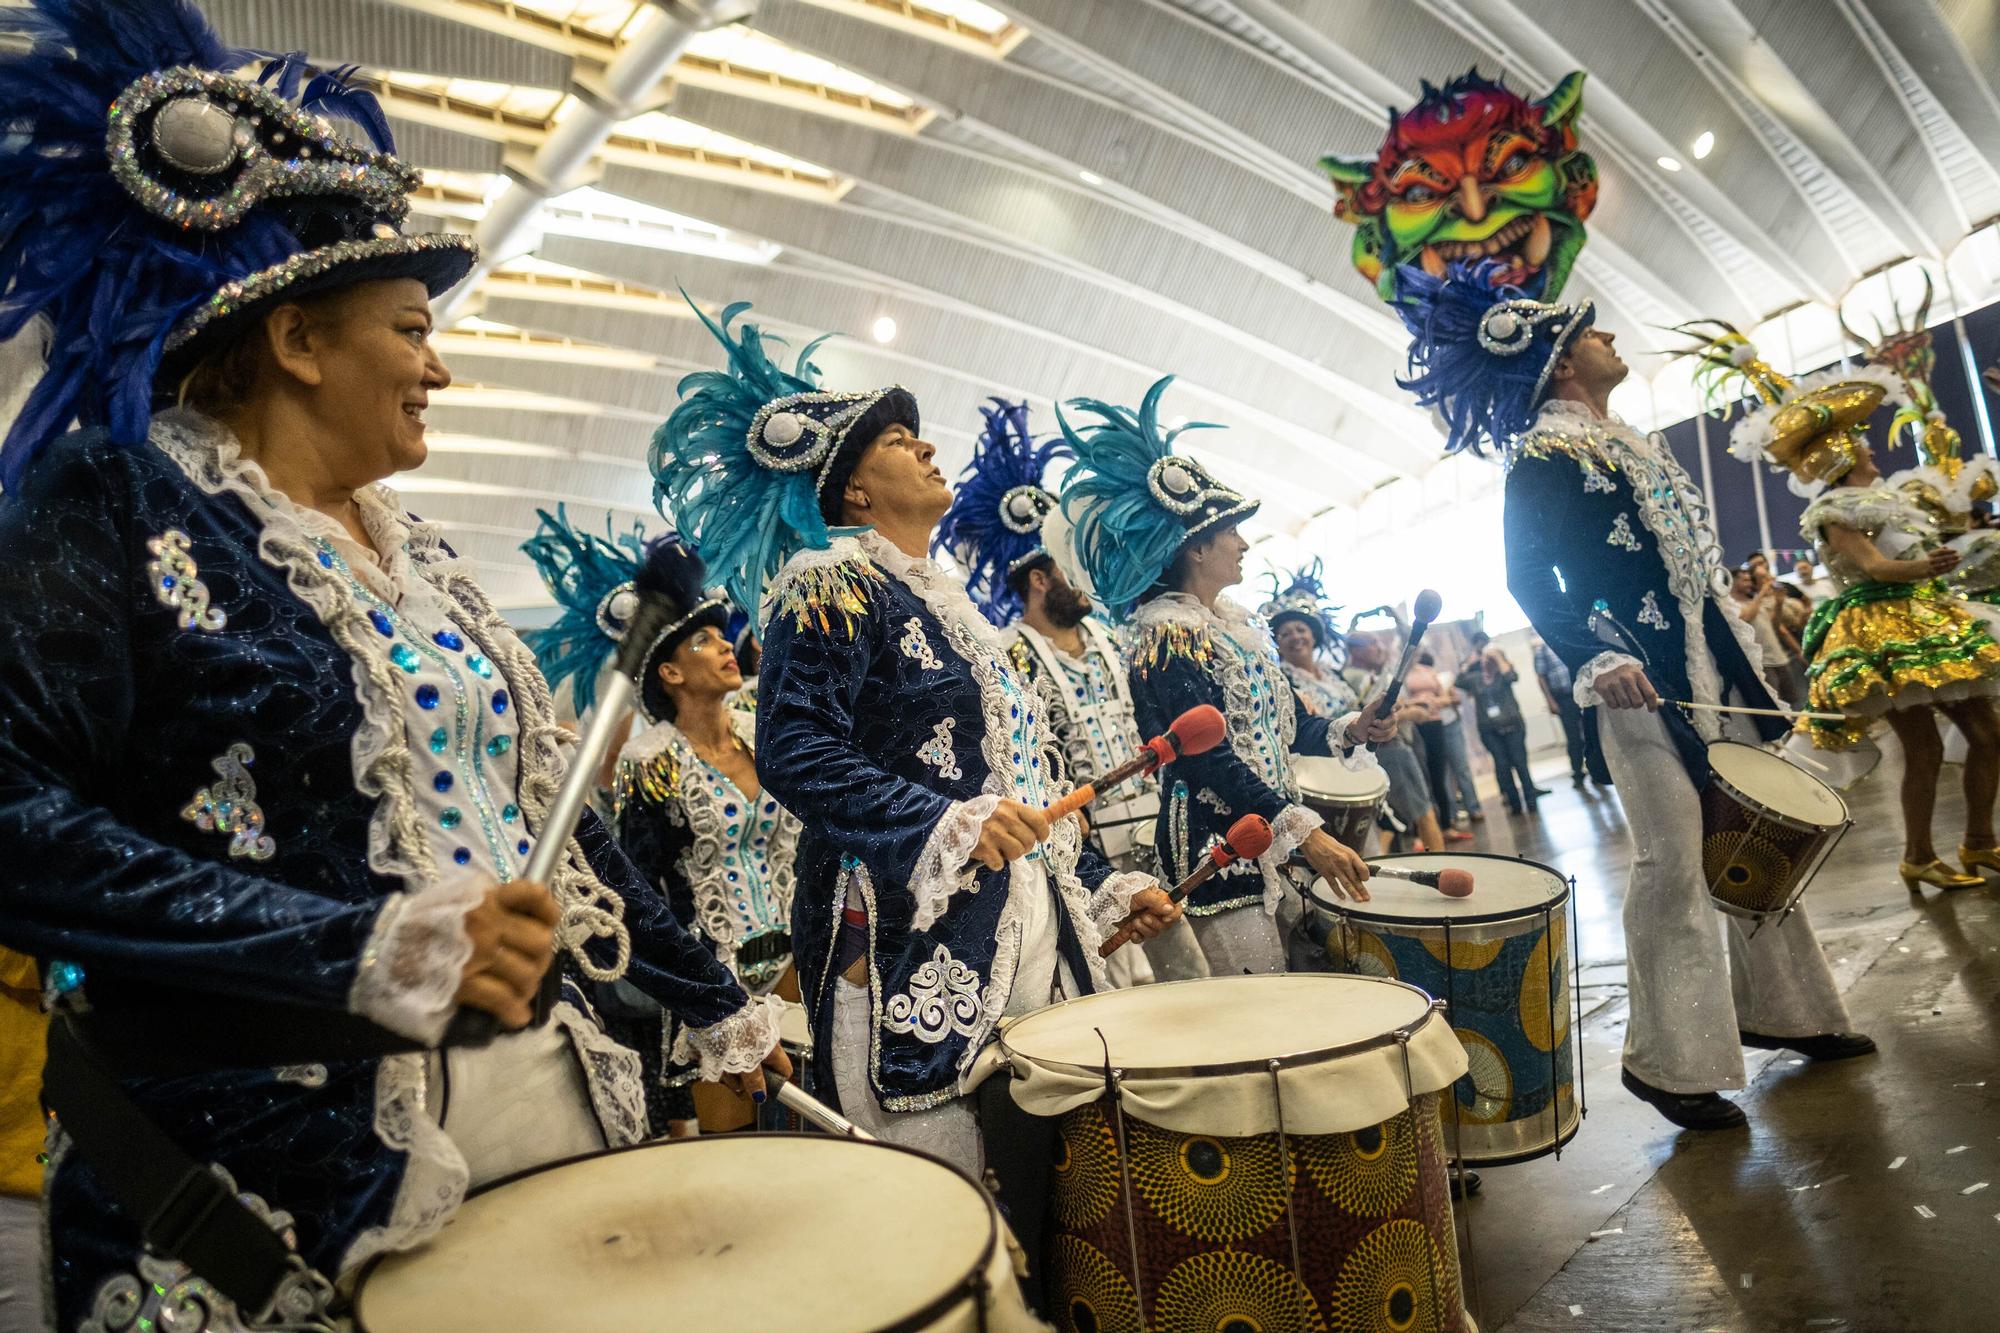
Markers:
(1937, 874)
(1976, 858)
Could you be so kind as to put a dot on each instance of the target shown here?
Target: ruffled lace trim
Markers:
(613, 1075)
(1584, 690)
(1897, 525)
(736, 1045)
(410, 968)
(942, 867)
(1294, 824)
(1112, 902)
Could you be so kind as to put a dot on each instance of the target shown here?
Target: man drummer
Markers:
(994, 530)
(1611, 552)
(933, 895)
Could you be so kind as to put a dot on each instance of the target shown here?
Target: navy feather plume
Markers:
(1004, 457)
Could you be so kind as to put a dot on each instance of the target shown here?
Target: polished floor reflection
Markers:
(1865, 1196)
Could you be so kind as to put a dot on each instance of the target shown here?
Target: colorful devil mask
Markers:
(1472, 172)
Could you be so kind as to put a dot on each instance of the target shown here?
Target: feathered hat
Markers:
(592, 580)
(1813, 428)
(1133, 503)
(753, 461)
(1304, 600)
(994, 526)
(1482, 353)
(153, 205)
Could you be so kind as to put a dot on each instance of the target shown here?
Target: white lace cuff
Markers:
(1585, 689)
(1113, 898)
(1355, 758)
(736, 1045)
(1294, 824)
(941, 867)
(410, 968)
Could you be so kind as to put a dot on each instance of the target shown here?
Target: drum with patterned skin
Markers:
(1500, 961)
(1268, 1156)
(1347, 799)
(1766, 827)
(677, 1235)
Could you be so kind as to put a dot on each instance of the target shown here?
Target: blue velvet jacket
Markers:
(1599, 518)
(129, 662)
(889, 722)
(1183, 655)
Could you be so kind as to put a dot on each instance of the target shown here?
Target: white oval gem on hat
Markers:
(624, 605)
(784, 428)
(1502, 324)
(1176, 480)
(195, 135)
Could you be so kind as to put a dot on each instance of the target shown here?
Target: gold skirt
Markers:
(1898, 652)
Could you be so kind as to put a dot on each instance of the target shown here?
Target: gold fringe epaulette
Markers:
(656, 780)
(1546, 443)
(1022, 658)
(826, 596)
(1156, 644)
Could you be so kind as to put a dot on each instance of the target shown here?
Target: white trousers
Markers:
(950, 1131)
(1689, 994)
(1239, 940)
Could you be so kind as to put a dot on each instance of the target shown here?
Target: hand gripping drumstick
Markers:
(1451, 882)
(1197, 730)
(1248, 838)
(809, 1107)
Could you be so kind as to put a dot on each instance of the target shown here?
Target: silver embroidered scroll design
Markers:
(937, 751)
(229, 805)
(1650, 613)
(1597, 481)
(943, 1001)
(177, 584)
(1621, 534)
(916, 645)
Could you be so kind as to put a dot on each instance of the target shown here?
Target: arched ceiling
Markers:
(1061, 197)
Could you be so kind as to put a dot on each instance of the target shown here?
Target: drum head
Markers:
(1504, 888)
(1772, 781)
(696, 1233)
(1329, 780)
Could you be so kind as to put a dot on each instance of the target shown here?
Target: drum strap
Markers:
(1020, 1158)
(185, 1210)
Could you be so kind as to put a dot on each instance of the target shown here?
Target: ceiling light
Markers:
(884, 329)
(1704, 144)
(1090, 178)
(1669, 164)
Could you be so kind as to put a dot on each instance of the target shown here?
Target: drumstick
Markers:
(1451, 881)
(797, 1099)
(1248, 838)
(1421, 615)
(1197, 730)
(1759, 712)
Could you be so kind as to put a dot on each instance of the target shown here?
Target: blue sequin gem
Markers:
(168, 580)
(480, 666)
(427, 696)
(462, 856)
(65, 976)
(381, 624)
(444, 638)
(442, 782)
(499, 745)
(509, 813)
(405, 657)
(522, 846)
(439, 740)
(500, 701)
(326, 558)
(450, 818)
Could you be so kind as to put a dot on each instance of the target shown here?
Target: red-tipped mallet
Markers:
(1194, 731)
(1248, 839)
(1451, 881)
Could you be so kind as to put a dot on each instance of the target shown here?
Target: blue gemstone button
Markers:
(449, 817)
(462, 856)
(522, 846)
(381, 624)
(509, 813)
(439, 739)
(427, 696)
(499, 745)
(479, 665)
(405, 657)
(500, 701)
(442, 782)
(326, 559)
(444, 638)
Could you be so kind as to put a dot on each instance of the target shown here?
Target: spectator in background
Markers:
(1446, 762)
(1812, 580)
(1579, 724)
(1409, 792)
(1757, 606)
(23, 1032)
(1793, 611)
(1489, 678)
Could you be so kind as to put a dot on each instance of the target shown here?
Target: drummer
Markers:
(1158, 538)
(994, 530)
(934, 895)
(1611, 552)
(687, 807)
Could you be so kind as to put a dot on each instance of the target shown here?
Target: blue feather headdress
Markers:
(1133, 503)
(1481, 353)
(592, 580)
(153, 204)
(994, 526)
(752, 462)
(1304, 599)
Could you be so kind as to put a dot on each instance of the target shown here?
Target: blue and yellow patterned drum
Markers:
(1500, 960)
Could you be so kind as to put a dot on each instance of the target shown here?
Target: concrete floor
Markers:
(1858, 1200)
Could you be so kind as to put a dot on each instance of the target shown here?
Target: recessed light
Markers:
(1090, 178)
(884, 329)
(1668, 164)
(1704, 144)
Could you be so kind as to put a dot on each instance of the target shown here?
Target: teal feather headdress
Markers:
(1132, 502)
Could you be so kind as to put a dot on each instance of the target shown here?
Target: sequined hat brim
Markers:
(1228, 514)
(438, 260)
(897, 406)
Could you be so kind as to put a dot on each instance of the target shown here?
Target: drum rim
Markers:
(968, 1286)
(1360, 911)
(1433, 1010)
(1527, 1155)
(1792, 822)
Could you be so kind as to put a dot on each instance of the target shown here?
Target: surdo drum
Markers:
(1766, 825)
(1259, 1152)
(1500, 960)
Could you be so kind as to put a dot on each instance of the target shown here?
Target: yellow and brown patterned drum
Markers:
(1766, 827)
(1268, 1156)
(1500, 961)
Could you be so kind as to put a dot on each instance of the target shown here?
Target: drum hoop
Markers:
(1361, 912)
(967, 1287)
(1793, 822)
(1266, 1065)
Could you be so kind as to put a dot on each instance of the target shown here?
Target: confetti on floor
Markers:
(1959, 1149)
(1925, 1212)
(1897, 1163)
(1608, 1231)
(1601, 1188)
(1973, 1189)
(1576, 1312)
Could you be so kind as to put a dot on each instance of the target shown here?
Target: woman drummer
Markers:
(270, 763)
(1893, 643)
(1158, 538)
